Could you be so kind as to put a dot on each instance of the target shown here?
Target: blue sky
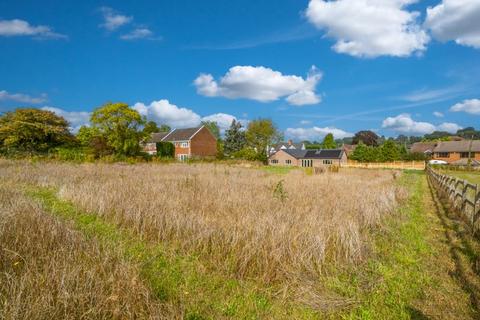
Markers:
(394, 66)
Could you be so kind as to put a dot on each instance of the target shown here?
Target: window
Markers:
(288, 161)
(466, 154)
(443, 154)
(184, 144)
(274, 161)
(307, 163)
(327, 161)
(182, 157)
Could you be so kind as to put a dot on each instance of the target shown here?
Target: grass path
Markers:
(424, 266)
(455, 289)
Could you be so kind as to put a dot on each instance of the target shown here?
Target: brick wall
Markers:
(203, 144)
(282, 156)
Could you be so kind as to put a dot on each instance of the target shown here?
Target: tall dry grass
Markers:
(244, 221)
(48, 271)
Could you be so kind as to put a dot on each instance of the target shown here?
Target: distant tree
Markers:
(149, 128)
(469, 133)
(165, 128)
(260, 134)
(360, 152)
(213, 127)
(234, 138)
(95, 142)
(119, 124)
(368, 137)
(33, 130)
(437, 135)
(389, 151)
(329, 142)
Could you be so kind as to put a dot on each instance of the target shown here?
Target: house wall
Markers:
(454, 156)
(179, 150)
(282, 156)
(150, 148)
(203, 144)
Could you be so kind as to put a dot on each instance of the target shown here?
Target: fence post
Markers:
(476, 197)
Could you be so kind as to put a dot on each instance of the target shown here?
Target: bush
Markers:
(165, 150)
(246, 154)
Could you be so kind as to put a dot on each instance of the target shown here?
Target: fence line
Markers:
(410, 165)
(462, 195)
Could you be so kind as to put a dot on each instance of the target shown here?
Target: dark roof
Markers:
(422, 147)
(324, 154)
(181, 134)
(296, 153)
(288, 145)
(157, 137)
(458, 146)
(315, 154)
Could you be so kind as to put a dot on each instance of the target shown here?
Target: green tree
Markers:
(234, 138)
(389, 151)
(261, 133)
(92, 139)
(149, 128)
(368, 137)
(165, 128)
(329, 142)
(213, 127)
(165, 149)
(33, 130)
(119, 124)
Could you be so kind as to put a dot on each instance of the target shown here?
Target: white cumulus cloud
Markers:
(404, 123)
(315, 133)
(165, 112)
(224, 120)
(471, 106)
(75, 118)
(438, 114)
(23, 98)
(456, 20)
(17, 27)
(261, 84)
(369, 28)
(113, 20)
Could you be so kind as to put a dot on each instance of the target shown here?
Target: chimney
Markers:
(290, 142)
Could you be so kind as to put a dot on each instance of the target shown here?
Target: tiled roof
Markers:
(157, 137)
(181, 134)
(324, 154)
(458, 146)
(422, 147)
(296, 153)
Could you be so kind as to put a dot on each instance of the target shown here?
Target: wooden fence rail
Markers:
(463, 195)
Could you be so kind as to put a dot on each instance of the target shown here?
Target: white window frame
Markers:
(182, 156)
(184, 144)
(288, 161)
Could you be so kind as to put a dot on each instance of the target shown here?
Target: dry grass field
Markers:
(196, 241)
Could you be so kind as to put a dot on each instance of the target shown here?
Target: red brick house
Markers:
(196, 142)
(458, 152)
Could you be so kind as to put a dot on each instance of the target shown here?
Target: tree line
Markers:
(117, 131)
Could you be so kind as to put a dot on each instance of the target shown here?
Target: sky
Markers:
(313, 67)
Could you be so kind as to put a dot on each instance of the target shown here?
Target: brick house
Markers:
(458, 152)
(308, 158)
(196, 142)
(285, 145)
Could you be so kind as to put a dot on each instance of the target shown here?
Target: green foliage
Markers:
(71, 154)
(234, 138)
(165, 128)
(261, 133)
(33, 130)
(247, 153)
(389, 151)
(220, 150)
(329, 142)
(165, 150)
(149, 128)
(279, 191)
(213, 127)
(119, 125)
(368, 137)
(96, 143)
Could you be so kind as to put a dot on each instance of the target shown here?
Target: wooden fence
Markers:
(462, 195)
(406, 165)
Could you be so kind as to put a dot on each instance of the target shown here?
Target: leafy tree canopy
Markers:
(150, 127)
(234, 138)
(329, 142)
(368, 137)
(261, 133)
(119, 124)
(33, 130)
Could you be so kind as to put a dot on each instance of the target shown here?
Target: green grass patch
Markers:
(278, 169)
